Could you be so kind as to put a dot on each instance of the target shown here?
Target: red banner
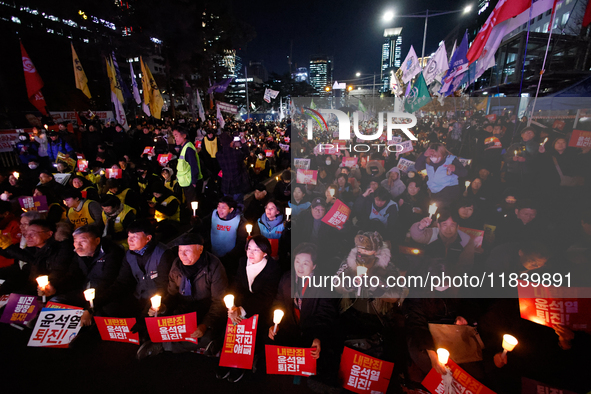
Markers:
(198, 144)
(580, 139)
(476, 235)
(462, 382)
(164, 159)
(82, 165)
(172, 328)
(268, 153)
(55, 305)
(34, 83)
(338, 215)
(238, 350)
(117, 330)
(290, 361)
(148, 150)
(349, 161)
(306, 177)
(361, 373)
(114, 173)
(568, 306)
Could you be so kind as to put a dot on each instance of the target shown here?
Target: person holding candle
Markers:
(522, 224)
(43, 255)
(519, 160)
(197, 282)
(413, 203)
(254, 289)
(443, 170)
(282, 190)
(446, 241)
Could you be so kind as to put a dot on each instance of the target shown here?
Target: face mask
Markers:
(435, 159)
(32, 166)
(260, 157)
(328, 162)
(22, 138)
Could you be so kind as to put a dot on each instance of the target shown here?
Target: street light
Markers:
(327, 88)
(358, 74)
(389, 15)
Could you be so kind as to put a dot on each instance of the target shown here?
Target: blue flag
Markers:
(457, 65)
(120, 84)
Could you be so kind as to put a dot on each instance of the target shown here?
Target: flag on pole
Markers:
(153, 97)
(200, 107)
(270, 94)
(396, 87)
(79, 74)
(312, 105)
(120, 84)
(503, 11)
(219, 87)
(437, 65)
(220, 118)
(33, 82)
(410, 66)
(116, 96)
(407, 92)
(281, 114)
(361, 106)
(136, 92)
(418, 97)
(457, 66)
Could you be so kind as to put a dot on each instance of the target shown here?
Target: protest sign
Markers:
(172, 328)
(56, 328)
(82, 165)
(461, 383)
(268, 153)
(361, 373)
(406, 147)
(476, 235)
(306, 177)
(349, 161)
(530, 386)
(580, 139)
(338, 215)
(290, 361)
(113, 173)
(405, 165)
(148, 150)
(163, 159)
(239, 342)
(20, 309)
(117, 330)
(301, 164)
(38, 203)
(55, 305)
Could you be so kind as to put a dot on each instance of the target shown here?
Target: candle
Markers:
(545, 140)
(432, 209)
(43, 281)
(156, 301)
(194, 205)
(331, 191)
(416, 251)
(89, 296)
(287, 213)
(438, 216)
(277, 178)
(45, 126)
(509, 343)
(442, 355)
(15, 174)
(467, 184)
(229, 301)
(277, 316)
(515, 152)
(249, 228)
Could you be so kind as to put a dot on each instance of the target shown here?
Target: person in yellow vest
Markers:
(261, 167)
(125, 194)
(166, 205)
(86, 188)
(172, 184)
(82, 211)
(117, 217)
(211, 144)
(188, 167)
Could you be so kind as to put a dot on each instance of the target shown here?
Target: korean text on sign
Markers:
(56, 327)
(337, 215)
(580, 139)
(20, 309)
(462, 382)
(306, 177)
(172, 328)
(115, 329)
(290, 361)
(239, 343)
(361, 373)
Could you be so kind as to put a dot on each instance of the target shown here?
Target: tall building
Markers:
(321, 72)
(258, 69)
(391, 54)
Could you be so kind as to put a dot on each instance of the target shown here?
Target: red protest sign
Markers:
(268, 153)
(117, 330)
(148, 150)
(580, 139)
(172, 328)
(290, 361)
(306, 177)
(349, 161)
(462, 382)
(114, 173)
(569, 306)
(164, 159)
(198, 144)
(238, 350)
(38, 203)
(361, 373)
(491, 117)
(82, 165)
(338, 215)
(476, 235)
(55, 305)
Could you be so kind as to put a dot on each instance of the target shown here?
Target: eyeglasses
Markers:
(29, 233)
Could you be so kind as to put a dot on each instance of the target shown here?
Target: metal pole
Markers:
(246, 89)
(425, 33)
(373, 92)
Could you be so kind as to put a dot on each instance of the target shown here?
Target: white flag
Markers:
(200, 107)
(410, 66)
(220, 118)
(270, 94)
(437, 66)
(136, 92)
(119, 111)
(281, 115)
(395, 85)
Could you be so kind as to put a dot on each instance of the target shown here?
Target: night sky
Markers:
(350, 31)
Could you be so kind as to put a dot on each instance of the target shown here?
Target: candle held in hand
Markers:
(287, 213)
(277, 316)
(43, 281)
(432, 209)
(229, 301)
(442, 355)
(89, 296)
(156, 301)
(467, 184)
(249, 229)
(509, 342)
(194, 205)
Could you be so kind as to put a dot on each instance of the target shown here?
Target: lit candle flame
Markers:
(249, 228)
(442, 355)
(156, 301)
(509, 342)
(229, 301)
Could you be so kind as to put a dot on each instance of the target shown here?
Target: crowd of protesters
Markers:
(138, 234)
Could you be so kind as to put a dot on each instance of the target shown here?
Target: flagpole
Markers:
(533, 108)
(425, 34)
(246, 88)
(523, 65)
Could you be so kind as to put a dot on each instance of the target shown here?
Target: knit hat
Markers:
(369, 241)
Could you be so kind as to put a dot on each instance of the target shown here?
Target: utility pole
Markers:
(246, 89)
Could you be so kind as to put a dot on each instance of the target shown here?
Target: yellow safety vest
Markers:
(170, 186)
(118, 223)
(159, 216)
(183, 169)
(211, 146)
(121, 196)
(82, 217)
